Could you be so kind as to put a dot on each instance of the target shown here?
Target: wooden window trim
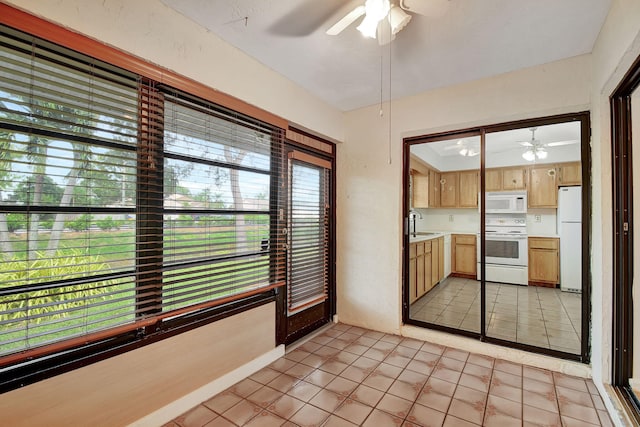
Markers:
(54, 33)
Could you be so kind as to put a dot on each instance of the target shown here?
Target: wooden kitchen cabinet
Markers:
(570, 174)
(468, 189)
(413, 273)
(428, 265)
(434, 189)
(543, 190)
(449, 190)
(493, 179)
(514, 179)
(505, 179)
(420, 190)
(463, 255)
(544, 261)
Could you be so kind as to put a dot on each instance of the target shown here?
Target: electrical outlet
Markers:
(538, 218)
(450, 218)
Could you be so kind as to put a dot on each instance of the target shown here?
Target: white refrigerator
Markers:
(570, 232)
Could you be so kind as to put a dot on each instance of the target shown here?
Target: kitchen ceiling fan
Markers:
(537, 149)
(383, 19)
(536, 142)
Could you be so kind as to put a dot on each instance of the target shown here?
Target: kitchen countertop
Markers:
(549, 236)
(422, 237)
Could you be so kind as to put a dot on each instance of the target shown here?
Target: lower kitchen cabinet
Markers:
(544, 261)
(463, 255)
(426, 266)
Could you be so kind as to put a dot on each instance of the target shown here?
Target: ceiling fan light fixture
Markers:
(375, 11)
(368, 27)
(541, 154)
(529, 156)
(398, 19)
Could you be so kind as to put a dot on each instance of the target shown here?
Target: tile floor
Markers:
(544, 317)
(349, 376)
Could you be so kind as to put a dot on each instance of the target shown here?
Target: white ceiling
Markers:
(503, 148)
(474, 39)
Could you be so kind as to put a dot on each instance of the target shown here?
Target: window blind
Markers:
(124, 204)
(217, 213)
(308, 258)
(68, 128)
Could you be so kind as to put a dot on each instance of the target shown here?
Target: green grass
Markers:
(51, 315)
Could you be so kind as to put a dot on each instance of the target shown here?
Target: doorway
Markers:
(307, 300)
(496, 221)
(625, 117)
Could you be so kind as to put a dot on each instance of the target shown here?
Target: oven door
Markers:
(505, 249)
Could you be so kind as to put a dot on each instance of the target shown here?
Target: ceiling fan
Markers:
(374, 25)
(537, 149)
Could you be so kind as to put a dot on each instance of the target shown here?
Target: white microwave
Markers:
(506, 202)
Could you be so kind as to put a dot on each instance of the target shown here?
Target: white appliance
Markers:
(506, 249)
(506, 202)
(570, 231)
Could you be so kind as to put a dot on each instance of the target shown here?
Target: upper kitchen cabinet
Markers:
(449, 190)
(453, 169)
(434, 189)
(459, 189)
(493, 179)
(543, 191)
(570, 174)
(468, 185)
(506, 179)
(425, 185)
(514, 179)
(420, 189)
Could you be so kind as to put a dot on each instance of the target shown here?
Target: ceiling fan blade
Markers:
(347, 20)
(428, 8)
(306, 18)
(559, 143)
(525, 143)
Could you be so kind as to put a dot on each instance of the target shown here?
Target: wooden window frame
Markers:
(30, 366)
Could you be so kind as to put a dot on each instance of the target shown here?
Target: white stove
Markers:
(506, 249)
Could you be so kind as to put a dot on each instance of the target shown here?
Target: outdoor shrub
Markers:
(107, 223)
(66, 265)
(81, 223)
(16, 221)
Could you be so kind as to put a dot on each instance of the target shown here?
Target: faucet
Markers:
(413, 215)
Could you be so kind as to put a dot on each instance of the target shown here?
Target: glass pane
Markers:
(533, 232)
(444, 222)
(190, 185)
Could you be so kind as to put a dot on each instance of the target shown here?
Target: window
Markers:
(123, 204)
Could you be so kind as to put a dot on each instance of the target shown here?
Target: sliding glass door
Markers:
(495, 230)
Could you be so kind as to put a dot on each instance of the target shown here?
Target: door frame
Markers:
(325, 151)
(585, 152)
(623, 228)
